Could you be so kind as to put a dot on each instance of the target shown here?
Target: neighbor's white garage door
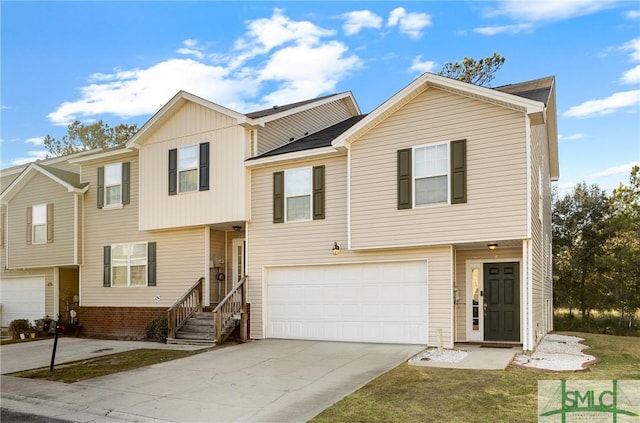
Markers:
(372, 302)
(21, 298)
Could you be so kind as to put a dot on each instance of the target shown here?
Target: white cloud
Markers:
(565, 188)
(3, 107)
(418, 66)
(411, 24)
(359, 19)
(135, 92)
(605, 106)
(289, 57)
(571, 137)
(504, 29)
(634, 47)
(31, 156)
(535, 11)
(632, 76)
(35, 141)
(615, 170)
(632, 14)
(306, 71)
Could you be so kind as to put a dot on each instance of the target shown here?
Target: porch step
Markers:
(199, 328)
(177, 341)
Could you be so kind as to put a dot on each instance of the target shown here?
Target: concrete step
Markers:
(180, 341)
(195, 335)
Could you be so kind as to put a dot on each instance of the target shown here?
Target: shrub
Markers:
(19, 326)
(601, 322)
(158, 329)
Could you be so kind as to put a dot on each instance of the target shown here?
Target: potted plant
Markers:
(19, 328)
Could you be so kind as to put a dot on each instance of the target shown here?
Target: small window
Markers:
(188, 168)
(129, 265)
(431, 174)
(298, 194)
(39, 224)
(113, 184)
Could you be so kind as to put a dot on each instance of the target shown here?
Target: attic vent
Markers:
(275, 107)
(306, 133)
(291, 139)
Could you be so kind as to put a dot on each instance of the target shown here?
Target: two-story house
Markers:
(41, 213)
(426, 221)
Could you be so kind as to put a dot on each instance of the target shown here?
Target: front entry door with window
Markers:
(501, 302)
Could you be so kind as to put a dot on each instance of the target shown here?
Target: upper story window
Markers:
(189, 168)
(130, 264)
(113, 185)
(298, 194)
(431, 174)
(40, 224)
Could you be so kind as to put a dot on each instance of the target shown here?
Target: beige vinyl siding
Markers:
(310, 243)
(279, 132)
(6, 177)
(540, 230)
(496, 174)
(462, 284)
(181, 254)
(224, 201)
(41, 190)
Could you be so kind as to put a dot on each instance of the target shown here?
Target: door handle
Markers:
(484, 308)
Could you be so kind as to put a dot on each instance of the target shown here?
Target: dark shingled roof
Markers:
(537, 90)
(71, 178)
(278, 109)
(322, 138)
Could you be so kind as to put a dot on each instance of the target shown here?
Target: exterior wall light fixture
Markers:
(336, 249)
(492, 245)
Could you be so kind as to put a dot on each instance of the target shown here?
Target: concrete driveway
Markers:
(261, 381)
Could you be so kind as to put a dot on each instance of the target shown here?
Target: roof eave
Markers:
(102, 155)
(294, 156)
(348, 95)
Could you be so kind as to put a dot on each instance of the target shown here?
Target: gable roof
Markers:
(322, 138)
(537, 90)
(69, 180)
(257, 118)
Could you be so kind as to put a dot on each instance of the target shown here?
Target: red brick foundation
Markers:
(117, 322)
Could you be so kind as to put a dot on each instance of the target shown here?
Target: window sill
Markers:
(113, 206)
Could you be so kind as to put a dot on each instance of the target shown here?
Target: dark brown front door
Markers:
(502, 302)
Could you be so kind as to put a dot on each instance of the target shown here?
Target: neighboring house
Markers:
(439, 203)
(426, 221)
(41, 207)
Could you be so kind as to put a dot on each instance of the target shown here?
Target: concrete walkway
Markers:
(261, 381)
(478, 358)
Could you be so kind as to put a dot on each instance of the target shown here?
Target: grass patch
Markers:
(106, 365)
(413, 393)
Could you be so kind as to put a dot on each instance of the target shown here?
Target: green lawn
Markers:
(424, 394)
(105, 365)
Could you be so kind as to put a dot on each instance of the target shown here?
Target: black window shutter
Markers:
(173, 171)
(151, 264)
(126, 182)
(404, 179)
(49, 223)
(100, 193)
(204, 166)
(106, 273)
(458, 171)
(29, 224)
(278, 197)
(318, 192)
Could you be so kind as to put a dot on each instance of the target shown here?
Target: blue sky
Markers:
(121, 61)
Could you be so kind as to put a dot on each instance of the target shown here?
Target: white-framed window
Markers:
(188, 168)
(113, 184)
(129, 264)
(39, 224)
(297, 188)
(431, 174)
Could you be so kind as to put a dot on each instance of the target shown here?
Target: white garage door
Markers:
(21, 298)
(372, 302)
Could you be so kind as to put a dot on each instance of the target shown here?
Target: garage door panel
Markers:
(356, 302)
(22, 298)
